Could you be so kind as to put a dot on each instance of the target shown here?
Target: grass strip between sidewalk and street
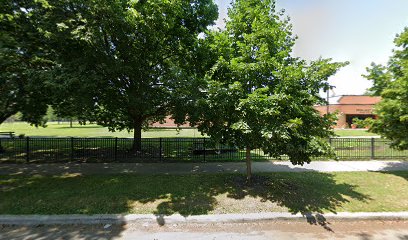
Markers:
(204, 194)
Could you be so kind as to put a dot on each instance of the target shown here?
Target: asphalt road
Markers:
(362, 230)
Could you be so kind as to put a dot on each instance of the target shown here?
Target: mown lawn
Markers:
(204, 194)
(353, 133)
(54, 129)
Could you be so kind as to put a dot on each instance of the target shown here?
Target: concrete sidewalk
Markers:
(191, 168)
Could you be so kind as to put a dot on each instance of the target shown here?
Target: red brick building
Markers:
(349, 107)
(168, 123)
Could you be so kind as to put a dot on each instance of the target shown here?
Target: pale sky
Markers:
(358, 31)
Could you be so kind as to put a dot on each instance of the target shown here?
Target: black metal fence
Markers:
(46, 150)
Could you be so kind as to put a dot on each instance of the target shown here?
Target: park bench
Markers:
(10, 134)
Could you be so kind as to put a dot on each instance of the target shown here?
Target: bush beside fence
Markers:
(47, 150)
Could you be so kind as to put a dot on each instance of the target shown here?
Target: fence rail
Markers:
(47, 150)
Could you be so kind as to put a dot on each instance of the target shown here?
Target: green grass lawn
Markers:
(204, 194)
(353, 133)
(54, 129)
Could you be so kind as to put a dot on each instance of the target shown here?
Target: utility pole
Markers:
(328, 104)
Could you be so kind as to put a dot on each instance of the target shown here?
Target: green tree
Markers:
(380, 78)
(23, 61)
(392, 111)
(124, 63)
(258, 95)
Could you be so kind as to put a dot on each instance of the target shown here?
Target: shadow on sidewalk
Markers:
(397, 169)
(86, 232)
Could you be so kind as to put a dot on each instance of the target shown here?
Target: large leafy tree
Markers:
(125, 63)
(258, 95)
(23, 62)
(392, 84)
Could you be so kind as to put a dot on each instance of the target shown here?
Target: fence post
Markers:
(330, 141)
(160, 149)
(372, 148)
(27, 149)
(204, 149)
(72, 149)
(116, 149)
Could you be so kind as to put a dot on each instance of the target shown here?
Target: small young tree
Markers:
(392, 84)
(258, 95)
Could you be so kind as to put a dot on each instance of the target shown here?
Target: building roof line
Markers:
(342, 104)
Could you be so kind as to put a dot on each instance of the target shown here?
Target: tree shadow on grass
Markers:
(310, 194)
(397, 168)
(300, 193)
(307, 193)
(303, 193)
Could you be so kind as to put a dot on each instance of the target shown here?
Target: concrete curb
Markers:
(174, 219)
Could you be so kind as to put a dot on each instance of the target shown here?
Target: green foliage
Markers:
(363, 123)
(392, 111)
(128, 59)
(120, 63)
(380, 77)
(23, 62)
(258, 95)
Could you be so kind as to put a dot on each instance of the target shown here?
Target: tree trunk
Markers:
(248, 164)
(3, 118)
(137, 136)
(1, 148)
(70, 122)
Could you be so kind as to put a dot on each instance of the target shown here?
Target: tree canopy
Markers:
(258, 95)
(391, 81)
(24, 85)
(124, 63)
